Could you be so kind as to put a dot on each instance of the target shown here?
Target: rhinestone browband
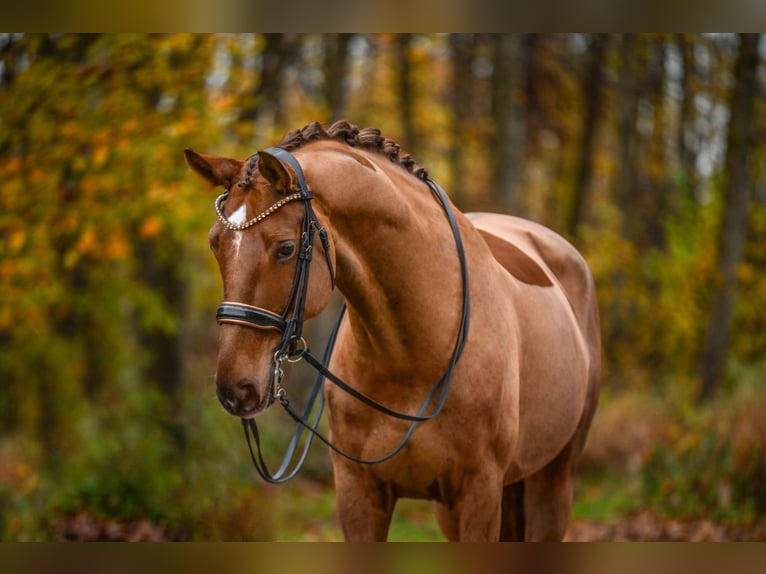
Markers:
(260, 217)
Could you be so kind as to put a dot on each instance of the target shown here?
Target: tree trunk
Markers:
(406, 94)
(592, 96)
(264, 102)
(656, 189)
(335, 68)
(164, 357)
(734, 225)
(687, 133)
(462, 48)
(509, 111)
(627, 138)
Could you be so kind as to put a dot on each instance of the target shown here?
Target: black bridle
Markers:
(293, 348)
(290, 322)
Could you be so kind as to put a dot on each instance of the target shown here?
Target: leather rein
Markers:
(293, 348)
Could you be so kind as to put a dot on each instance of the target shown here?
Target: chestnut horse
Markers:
(498, 461)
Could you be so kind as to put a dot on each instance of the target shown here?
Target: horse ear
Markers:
(280, 175)
(215, 170)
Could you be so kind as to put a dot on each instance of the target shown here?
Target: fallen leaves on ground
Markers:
(648, 526)
(645, 526)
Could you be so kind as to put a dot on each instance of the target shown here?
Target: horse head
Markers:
(263, 243)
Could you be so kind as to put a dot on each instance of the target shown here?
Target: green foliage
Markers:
(130, 470)
(88, 129)
(123, 463)
(602, 497)
(749, 341)
(677, 458)
(694, 478)
(654, 300)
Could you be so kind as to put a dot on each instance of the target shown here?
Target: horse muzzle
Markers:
(244, 398)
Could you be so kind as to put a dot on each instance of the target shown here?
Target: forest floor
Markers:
(611, 503)
(646, 526)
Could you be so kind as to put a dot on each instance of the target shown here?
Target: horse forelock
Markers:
(369, 138)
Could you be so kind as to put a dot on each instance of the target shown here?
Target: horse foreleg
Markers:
(364, 508)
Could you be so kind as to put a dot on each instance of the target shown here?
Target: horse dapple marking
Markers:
(499, 460)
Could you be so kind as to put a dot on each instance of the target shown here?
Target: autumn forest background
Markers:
(646, 150)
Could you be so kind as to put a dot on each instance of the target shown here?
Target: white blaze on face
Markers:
(238, 218)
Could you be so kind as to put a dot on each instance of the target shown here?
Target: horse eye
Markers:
(285, 250)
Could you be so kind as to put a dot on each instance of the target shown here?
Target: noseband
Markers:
(293, 347)
(290, 321)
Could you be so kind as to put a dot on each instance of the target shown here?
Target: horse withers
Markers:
(498, 457)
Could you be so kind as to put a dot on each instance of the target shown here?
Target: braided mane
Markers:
(368, 138)
(342, 131)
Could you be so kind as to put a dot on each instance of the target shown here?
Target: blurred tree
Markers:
(732, 233)
(686, 134)
(95, 286)
(655, 191)
(335, 71)
(462, 53)
(627, 160)
(510, 86)
(592, 85)
(406, 93)
(55, 187)
(262, 103)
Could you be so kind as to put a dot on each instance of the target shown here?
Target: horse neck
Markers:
(397, 264)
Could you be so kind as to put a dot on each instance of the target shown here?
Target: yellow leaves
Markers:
(747, 273)
(130, 126)
(156, 192)
(79, 163)
(100, 155)
(12, 165)
(7, 270)
(38, 176)
(150, 227)
(89, 185)
(223, 102)
(116, 247)
(16, 240)
(72, 130)
(87, 242)
(189, 123)
(111, 245)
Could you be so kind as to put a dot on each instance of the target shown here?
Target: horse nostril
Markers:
(239, 398)
(246, 392)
